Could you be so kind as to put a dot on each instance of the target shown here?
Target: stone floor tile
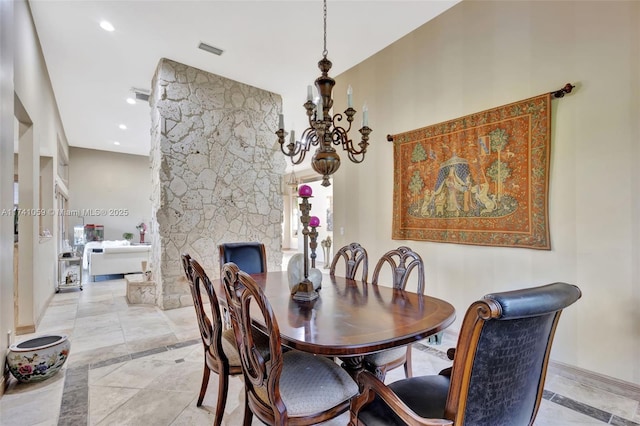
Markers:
(149, 407)
(104, 400)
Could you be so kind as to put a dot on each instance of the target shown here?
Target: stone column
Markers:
(216, 173)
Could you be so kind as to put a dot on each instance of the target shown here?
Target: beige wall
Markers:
(119, 184)
(34, 91)
(484, 54)
(6, 176)
(24, 77)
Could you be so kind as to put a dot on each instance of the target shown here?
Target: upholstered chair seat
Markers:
(230, 349)
(426, 396)
(385, 357)
(310, 384)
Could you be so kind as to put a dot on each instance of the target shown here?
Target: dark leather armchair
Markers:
(251, 257)
(498, 372)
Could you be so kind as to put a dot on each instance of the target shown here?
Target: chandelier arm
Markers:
(310, 136)
(296, 152)
(340, 136)
(337, 118)
(354, 159)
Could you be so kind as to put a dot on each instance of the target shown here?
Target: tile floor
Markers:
(139, 365)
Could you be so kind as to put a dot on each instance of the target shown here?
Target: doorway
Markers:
(321, 206)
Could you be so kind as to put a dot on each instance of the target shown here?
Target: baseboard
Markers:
(4, 381)
(596, 380)
(25, 329)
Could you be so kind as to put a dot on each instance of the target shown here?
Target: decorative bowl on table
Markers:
(295, 272)
(39, 358)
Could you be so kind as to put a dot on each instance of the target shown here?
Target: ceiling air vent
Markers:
(210, 49)
(141, 95)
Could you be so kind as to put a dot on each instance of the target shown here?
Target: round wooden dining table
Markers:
(350, 318)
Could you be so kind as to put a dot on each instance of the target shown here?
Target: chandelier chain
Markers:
(325, 52)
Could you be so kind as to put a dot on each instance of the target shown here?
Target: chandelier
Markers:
(324, 130)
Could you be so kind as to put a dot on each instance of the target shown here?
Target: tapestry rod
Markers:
(556, 94)
(561, 92)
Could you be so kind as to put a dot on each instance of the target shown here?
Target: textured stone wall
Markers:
(216, 174)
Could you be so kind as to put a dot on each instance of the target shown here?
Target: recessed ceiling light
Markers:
(106, 25)
(123, 127)
(116, 143)
(131, 101)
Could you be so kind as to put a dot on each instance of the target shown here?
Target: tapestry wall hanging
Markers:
(482, 179)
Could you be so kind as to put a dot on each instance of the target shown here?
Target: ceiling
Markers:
(273, 45)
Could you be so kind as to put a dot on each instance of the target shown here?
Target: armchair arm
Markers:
(371, 386)
(451, 353)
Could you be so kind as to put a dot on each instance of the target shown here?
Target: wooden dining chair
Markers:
(250, 257)
(353, 255)
(403, 261)
(498, 373)
(292, 387)
(220, 350)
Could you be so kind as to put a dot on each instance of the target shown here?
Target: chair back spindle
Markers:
(354, 256)
(402, 261)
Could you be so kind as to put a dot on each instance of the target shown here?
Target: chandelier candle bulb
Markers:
(293, 136)
(314, 221)
(365, 115)
(281, 121)
(310, 93)
(349, 97)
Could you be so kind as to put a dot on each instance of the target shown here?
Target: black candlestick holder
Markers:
(314, 222)
(304, 291)
(313, 245)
